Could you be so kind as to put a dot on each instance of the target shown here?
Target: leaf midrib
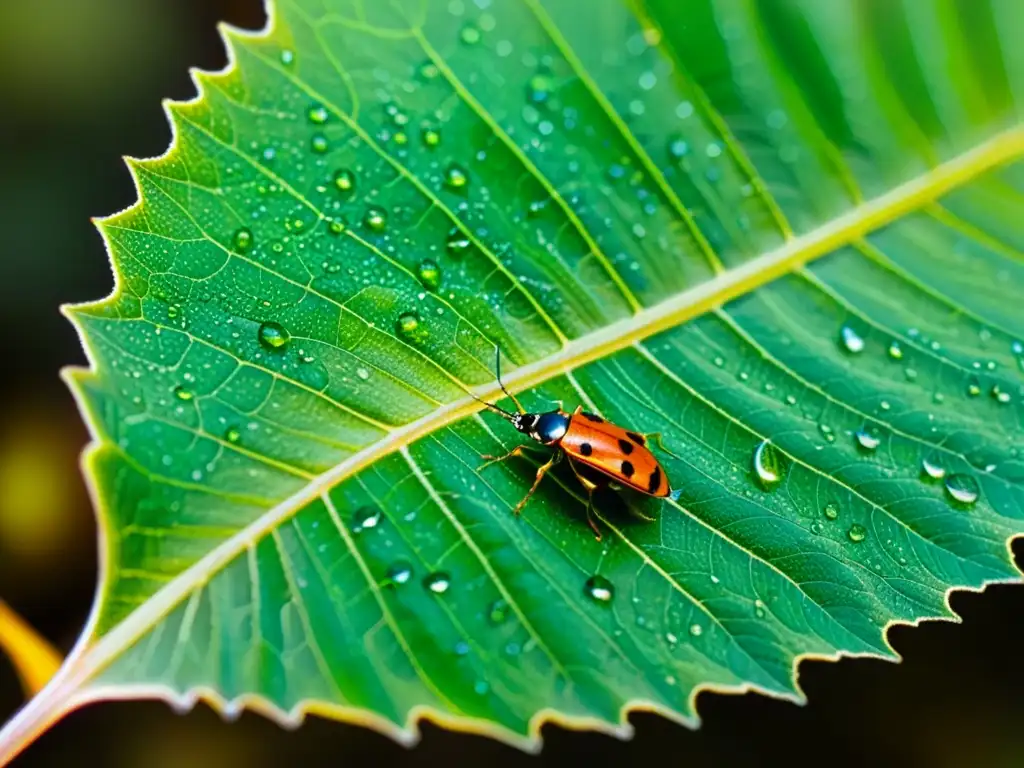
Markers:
(730, 285)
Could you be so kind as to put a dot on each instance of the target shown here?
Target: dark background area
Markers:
(81, 83)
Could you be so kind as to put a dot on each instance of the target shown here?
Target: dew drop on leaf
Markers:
(183, 393)
(317, 114)
(962, 488)
(599, 589)
(431, 137)
(399, 572)
(831, 512)
(696, 630)
(273, 335)
(429, 274)
(375, 219)
(759, 610)
(287, 57)
(243, 240)
(365, 517)
(868, 437)
(539, 88)
(497, 612)
(232, 434)
(337, 226)
(409, 326)
(458, 242)
(931, 467)
(678, 148)
(437, 582)
(455, 177)
(362, 373)
(1000, 395)
(851, 340)
(470, 35)
(973, 387)
(318, 143)
(895, 351)
(345, 180)
(857, 533)
(769, 465)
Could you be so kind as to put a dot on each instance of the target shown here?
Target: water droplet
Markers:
(429, 274)
(409, 326)
(243, 240)
(431, 137)
(399, 572)
(318, 143)
(337, 226)
(769, 465)
(973, 387)
(539, 88)
(183, 393)
(365, 517)
(868, 437)
(470, 35)
(345, 180)
(678, 148)
(498, 611)
(287, 57)
(962, 488)
(857, 533)
(895, 351)
(458, 242)
(852, 341)
(362, 373)
(817, 528)
(455, 177)
(480, 687)
(599, 589)
(931, 467)
(437, 582)
(273, 335)
(375, 219)
(232, 434)
(759, 610)
(831, 512)
(461, 648)
(317, 114)
(999, 395)
(696, 630)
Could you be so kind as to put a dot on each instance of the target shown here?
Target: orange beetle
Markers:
(601, 454)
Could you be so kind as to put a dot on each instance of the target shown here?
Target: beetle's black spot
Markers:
(586, 449)
(627, 469)
(625, 446)
(638, 439)
(591, 417)
(655, 483)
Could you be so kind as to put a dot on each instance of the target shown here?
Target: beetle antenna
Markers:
(497, 373)
(508, 416)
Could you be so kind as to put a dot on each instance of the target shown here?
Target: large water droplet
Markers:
(365, 517)
(437, 582)
(273, 335)
(376, 219)
(769, 465)
(851, 340)
(498, 611)
(831, 512)
(868, 437)
(962, 488)
(399, 572)
(232, 434)
(318, 143)
(317, 114)
(429, 274)
(410, 327)
(458, 242)
(243, 240)
(696, 630)
(183, 393)
(931, 467)
(599, 589)
(455, 177)
(857, 533)
(345, 180)
(431, 137)
(895, 351)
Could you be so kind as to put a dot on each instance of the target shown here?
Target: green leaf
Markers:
(786, 236)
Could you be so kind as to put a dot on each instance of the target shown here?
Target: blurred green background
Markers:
(80, 85)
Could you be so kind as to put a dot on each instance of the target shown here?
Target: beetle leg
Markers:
(541, 471)
(517, 451)
(589, 486)
(656, 438)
